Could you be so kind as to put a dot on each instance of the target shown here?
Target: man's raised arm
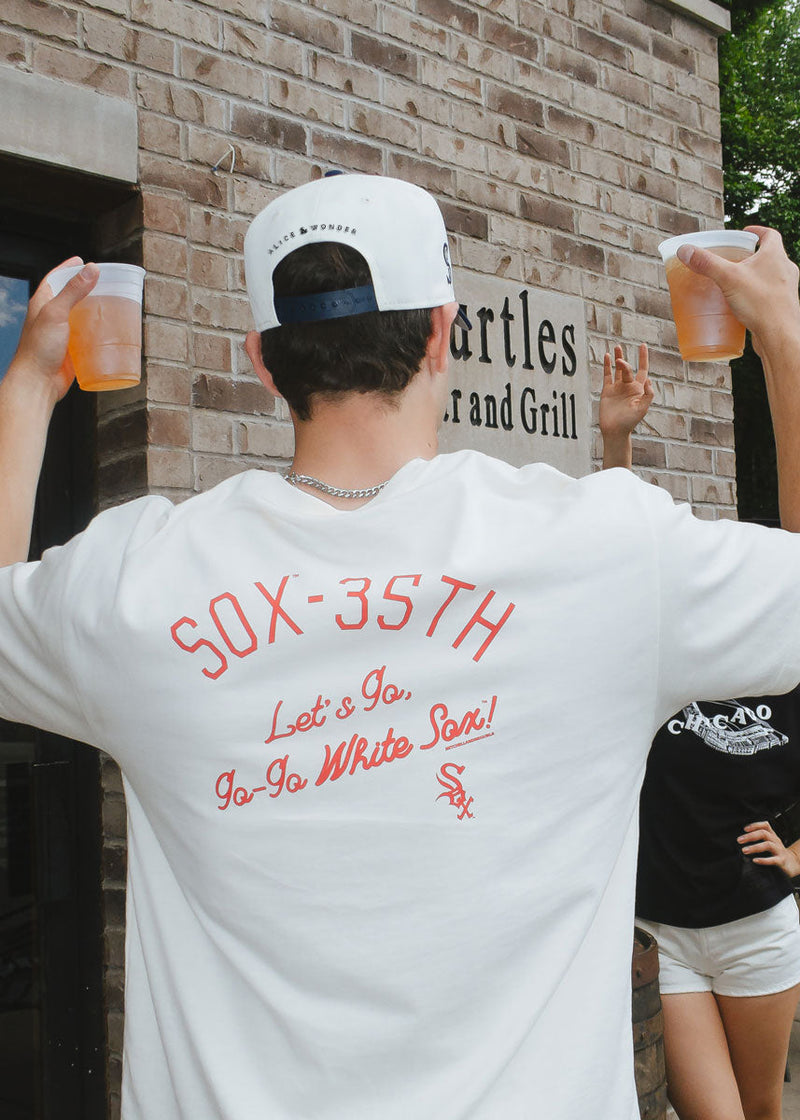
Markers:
(762, 293)
(38, 377)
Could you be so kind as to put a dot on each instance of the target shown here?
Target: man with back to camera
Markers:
(383, 723)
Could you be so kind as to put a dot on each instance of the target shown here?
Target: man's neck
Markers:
(362, 440)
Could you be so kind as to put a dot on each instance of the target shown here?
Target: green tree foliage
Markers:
(760, 106)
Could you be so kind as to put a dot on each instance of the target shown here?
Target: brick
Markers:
(232, 395)
(229, 312)
(530, 110)
(381, 55)
(653, 184)
(547, 212)
(159, 134)
(601, 227)
(166, 340)
(571, 126)
(700, 201)
(432, 176)
(166, 298)
(346, 154)
(573, 188)
(200, 185)
(13, 49)
(601, 166)
(118, 7)
(477, 190)
(681, 109)
(678, 165)
(704, 147)
(268, 440)
(165, 213)
(124, 432)
(554, 87)
(452, 148)
(541, 145)
(254, 10)
(415, 101)
(436, 74)
(626, 30)
(250, 196)
(213, 469)
(601, 47)
(649, 302)
(580, 254)
(363, 12)
(650, 126)
(168, 427)
(123, 478)
(714, 490)
(666, 425)
(174, 99)
(164, 255)
(212, 431)
(482, 59)
(566, 61)
(450, 14)
(209, 270)
(307, 102)
(110, 37)
(627, 87)
(520, 235)
(268, 128)
(250, 42)
(673, 221)
(725, 464)
(83, 70)
(51, 20)
(169, 469)
(677, 54)
(715, 433)
(421, 34)
(508, 37)
(222, 73)
(344, 76)
(298, 21)
(651, 15)
(648, 453)
(211, 352)
(185, 21)
(686, 457)
(463, 220)
(547, 23)
(379, 125)
(168, 384)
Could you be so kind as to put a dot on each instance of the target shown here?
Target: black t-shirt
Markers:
(714, 768)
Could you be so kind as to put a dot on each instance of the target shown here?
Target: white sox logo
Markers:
(454, 790)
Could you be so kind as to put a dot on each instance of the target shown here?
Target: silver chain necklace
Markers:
(334, 491)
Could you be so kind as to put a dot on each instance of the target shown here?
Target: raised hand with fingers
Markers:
(625, 398)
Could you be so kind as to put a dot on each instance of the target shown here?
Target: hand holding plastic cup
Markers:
(105, 328)
(708, 331)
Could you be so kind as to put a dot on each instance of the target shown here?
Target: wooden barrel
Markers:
(648, 1028)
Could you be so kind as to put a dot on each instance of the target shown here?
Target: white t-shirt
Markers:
(382, 770)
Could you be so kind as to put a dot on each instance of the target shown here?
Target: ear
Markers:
(438, 348)
(252, 345)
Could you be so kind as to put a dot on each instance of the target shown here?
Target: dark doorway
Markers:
(52, 1034)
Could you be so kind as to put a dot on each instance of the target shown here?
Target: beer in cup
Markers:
(105, 328)
(708, 331)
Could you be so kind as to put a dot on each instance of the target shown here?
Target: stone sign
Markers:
(520, 386)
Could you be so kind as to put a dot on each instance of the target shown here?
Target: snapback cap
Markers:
(396, 226)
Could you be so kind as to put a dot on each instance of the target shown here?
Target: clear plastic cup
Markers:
(708, 331)
(105, 328)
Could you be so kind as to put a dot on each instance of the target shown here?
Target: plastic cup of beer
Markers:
(708, 331)
(105, 327)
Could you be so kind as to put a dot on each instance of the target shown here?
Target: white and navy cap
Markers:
(397, 227)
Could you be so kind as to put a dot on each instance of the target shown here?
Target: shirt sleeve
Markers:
(729, 610)
(40, 680)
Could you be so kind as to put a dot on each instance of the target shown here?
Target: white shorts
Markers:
(754, 956)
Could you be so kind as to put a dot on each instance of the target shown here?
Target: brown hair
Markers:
(376, 352)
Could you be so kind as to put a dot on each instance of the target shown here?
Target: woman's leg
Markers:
(758, 1030)
(701, 1083)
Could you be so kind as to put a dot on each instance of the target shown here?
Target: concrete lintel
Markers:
(706, 12)
(67, 125)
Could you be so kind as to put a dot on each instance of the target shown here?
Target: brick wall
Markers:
(563, 138)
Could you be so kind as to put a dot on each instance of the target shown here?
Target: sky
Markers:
(13, 304)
